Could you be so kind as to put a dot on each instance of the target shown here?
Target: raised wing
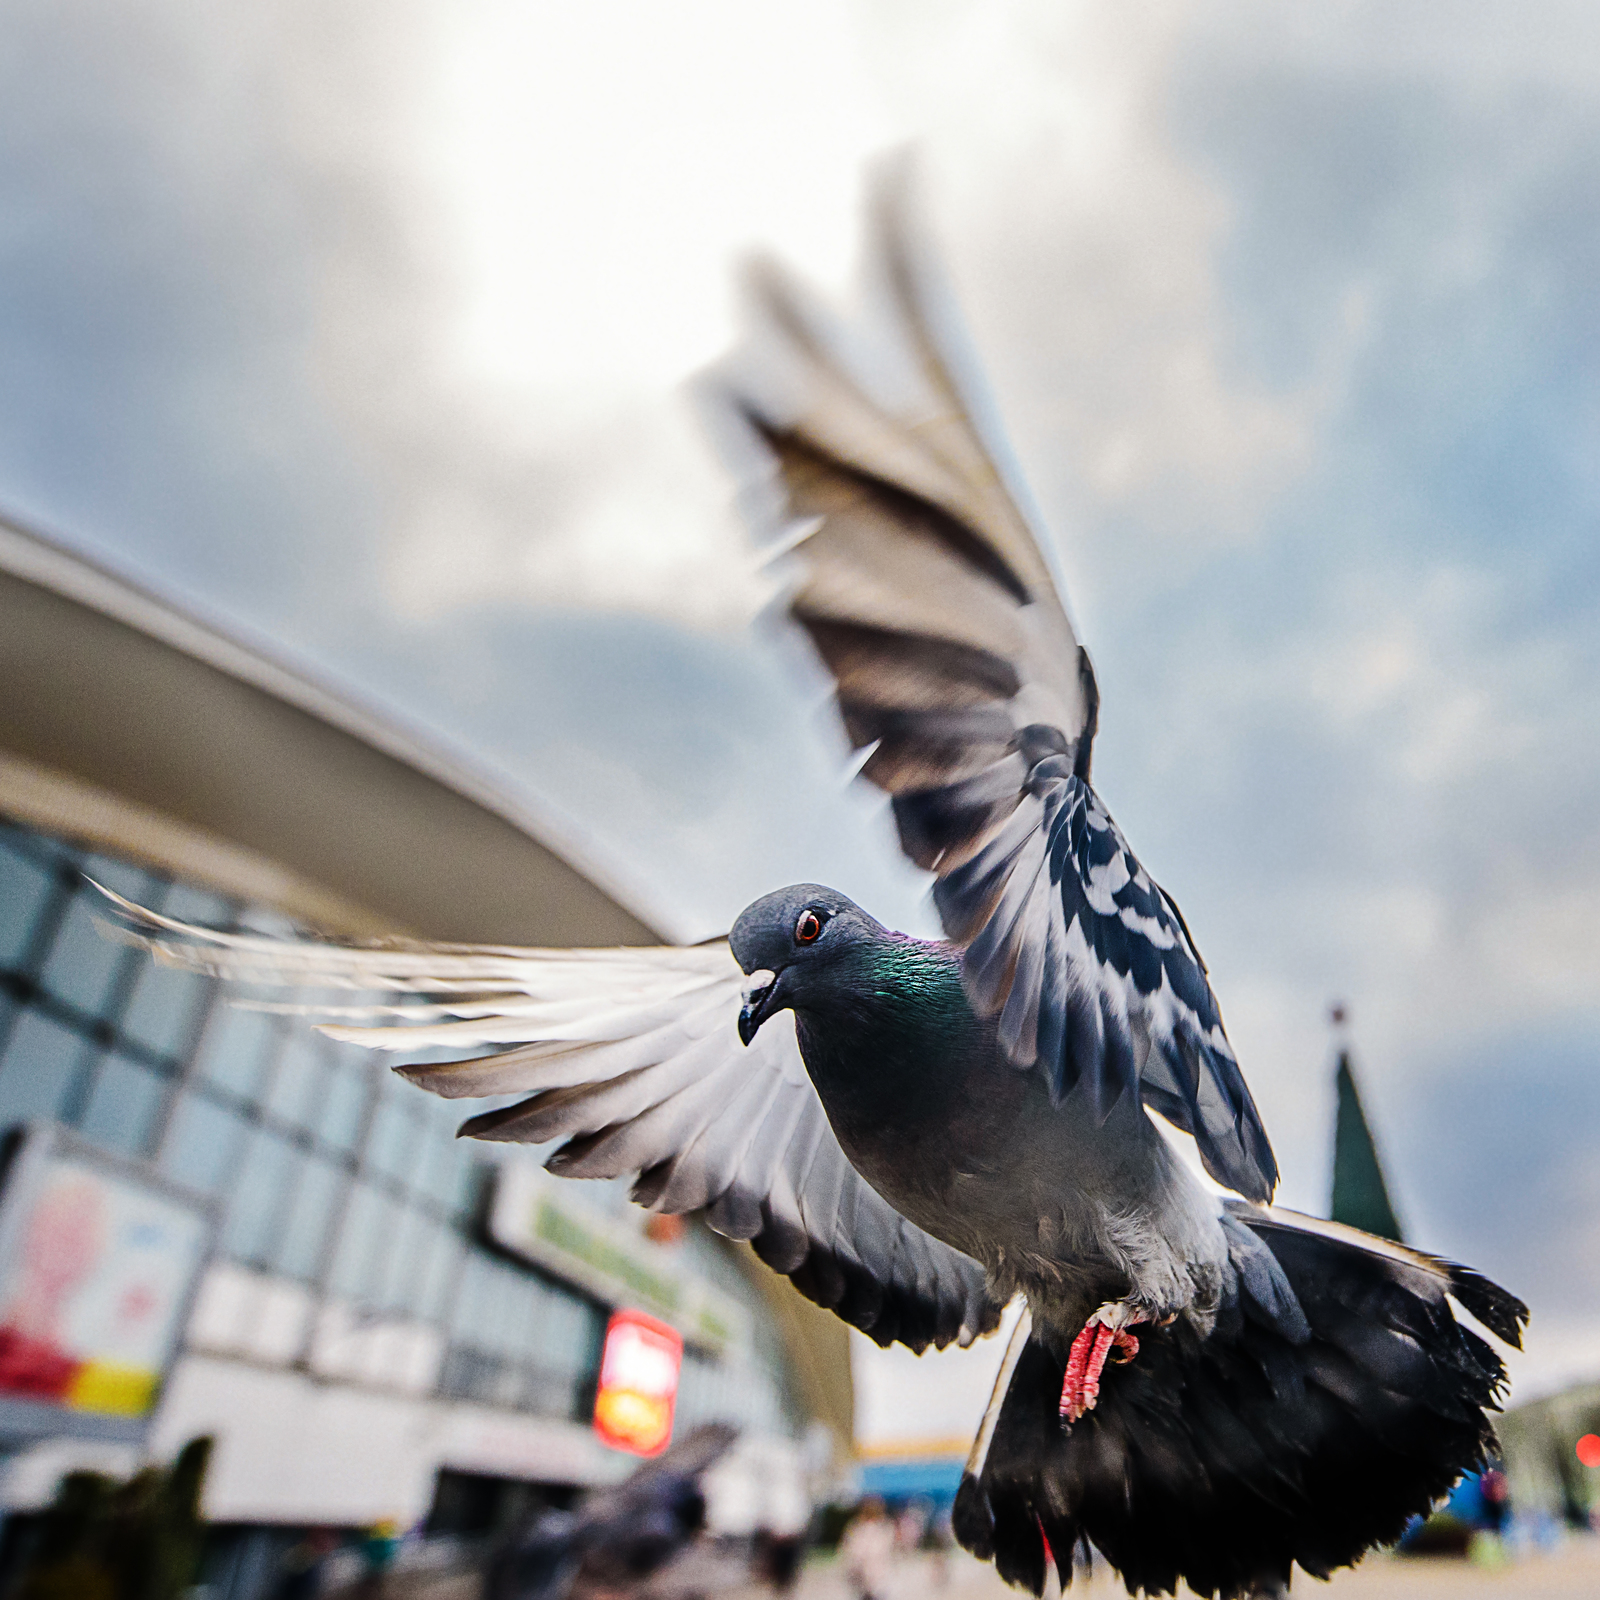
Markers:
(924, 590)
(632, 1059)
(1091, 969)
(920, 581)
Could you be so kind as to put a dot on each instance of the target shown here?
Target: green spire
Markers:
(1360, 1196)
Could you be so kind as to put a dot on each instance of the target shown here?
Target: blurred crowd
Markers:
(646, 1538)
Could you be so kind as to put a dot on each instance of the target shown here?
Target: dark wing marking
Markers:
(631, 1059)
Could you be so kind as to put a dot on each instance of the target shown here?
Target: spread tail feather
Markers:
(1223, 1460)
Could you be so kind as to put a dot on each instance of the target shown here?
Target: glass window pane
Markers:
(517, 1301)
(495, 1330)
(256, 1197)
(433, 1291)
(519, 1307)
(445, 1164)
(164, 1009)
(427, 1267)
(315, 1196)
(489, 1320)
(466, 1310)
(301, 1073)
(237, 1047)
(359, 1255)
(452, 1169)
(190, 904)
(40, 1064)
(469, 1375)
(55, 854)
(123, 1106)
(83, 962)
(392, 1144)
(549, 1394)
(25, 886)
(559, 1334)
(343, 1102)
(203, 1143)
(404, 1260)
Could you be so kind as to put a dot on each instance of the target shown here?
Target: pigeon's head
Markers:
(786, 941)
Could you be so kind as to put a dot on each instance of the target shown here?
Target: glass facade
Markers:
(334, 1174)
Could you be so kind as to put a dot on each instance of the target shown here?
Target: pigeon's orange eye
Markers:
(808, 929)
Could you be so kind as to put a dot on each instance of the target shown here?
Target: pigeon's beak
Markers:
(760, 995)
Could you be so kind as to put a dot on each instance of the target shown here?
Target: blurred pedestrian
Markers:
(867, 1550)
(303, 1565)
(1496, 1494)
(911, 1525)
(778, 1558)
(380, 1544)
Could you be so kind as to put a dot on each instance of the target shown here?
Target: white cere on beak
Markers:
(758, 982)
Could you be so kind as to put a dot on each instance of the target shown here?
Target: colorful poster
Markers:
(94, 1279)
(638, 1384)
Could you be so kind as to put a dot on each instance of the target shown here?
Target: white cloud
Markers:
(606, 161)
(592, 175)
(1085, 243)
(625, 510)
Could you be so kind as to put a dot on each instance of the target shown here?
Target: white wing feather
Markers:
(631, 1057)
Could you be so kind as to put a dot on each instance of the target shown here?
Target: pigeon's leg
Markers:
(1104, 1335)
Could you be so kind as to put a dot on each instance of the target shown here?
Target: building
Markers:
(380, 1321)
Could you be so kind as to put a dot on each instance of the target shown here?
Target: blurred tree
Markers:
(105, 1540)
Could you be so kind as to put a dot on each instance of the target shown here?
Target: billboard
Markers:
(638, 1389)
(537, 1218)
(98, 1262)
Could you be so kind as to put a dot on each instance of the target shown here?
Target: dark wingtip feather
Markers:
(493, 1125)
(1019, 1546)
(972, 1519)
(1500, 1311)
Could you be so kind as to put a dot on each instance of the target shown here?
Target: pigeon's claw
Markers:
(1104, 1336)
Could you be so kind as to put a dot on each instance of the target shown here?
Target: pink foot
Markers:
(1080, 1387)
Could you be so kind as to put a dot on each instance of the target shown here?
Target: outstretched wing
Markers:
(924, 590)
(1090, 967)
(920, 581)
(631, 1058)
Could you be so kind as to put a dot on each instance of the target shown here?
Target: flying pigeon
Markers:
(1201, 1386)
(621, 1538)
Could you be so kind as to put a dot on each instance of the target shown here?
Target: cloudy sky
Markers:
(364, 328)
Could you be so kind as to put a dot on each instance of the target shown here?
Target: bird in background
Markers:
(620, 1539)
(918, 1132)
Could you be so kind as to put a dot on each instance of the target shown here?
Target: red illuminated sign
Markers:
(638, 1383)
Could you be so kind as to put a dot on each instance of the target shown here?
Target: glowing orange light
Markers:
(1589, 1449)
(638, 1383)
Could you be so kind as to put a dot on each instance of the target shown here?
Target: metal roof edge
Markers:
(94, 583)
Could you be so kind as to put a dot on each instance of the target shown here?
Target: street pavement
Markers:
(1570, 1573)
